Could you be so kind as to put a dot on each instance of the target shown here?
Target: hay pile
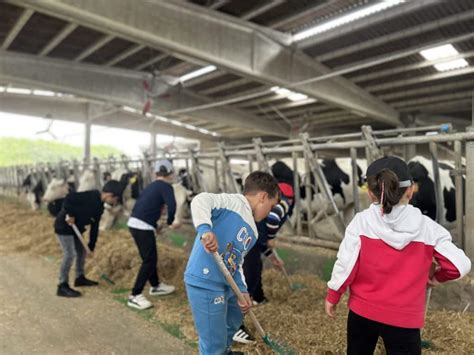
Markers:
(297, 318)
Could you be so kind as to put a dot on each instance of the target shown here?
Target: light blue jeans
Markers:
(217, 316)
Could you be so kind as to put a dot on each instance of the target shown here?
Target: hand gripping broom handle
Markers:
(237, 291)
(81, 239)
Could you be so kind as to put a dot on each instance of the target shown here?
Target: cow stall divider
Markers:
(373, 142)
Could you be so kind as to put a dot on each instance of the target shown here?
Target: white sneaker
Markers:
(243, 336)
(162, 290)
(139, 302)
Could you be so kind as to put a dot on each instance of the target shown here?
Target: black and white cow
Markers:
(421, 170)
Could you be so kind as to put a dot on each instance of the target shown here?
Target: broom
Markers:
(88, 251)
(274, 345)
(292, 286)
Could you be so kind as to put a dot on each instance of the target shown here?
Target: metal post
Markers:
(440, 218)
(227, 169)
(309, 198)
(296, 184)
(469, 231)
(87, 138)
(250, 159)
(459, 193)
(153, 146)
(321, 181)
(216, 173)
(355, 176)
(197, 173)
(97, 173)
(262, 162)
(373, 151)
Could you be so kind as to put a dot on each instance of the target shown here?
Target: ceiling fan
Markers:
(48, 130)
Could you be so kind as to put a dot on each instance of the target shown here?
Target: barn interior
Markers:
(250, 83)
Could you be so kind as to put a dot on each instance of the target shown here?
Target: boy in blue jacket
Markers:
(224, 223)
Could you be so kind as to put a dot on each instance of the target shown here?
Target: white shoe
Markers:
(162, 290)
(243, 336)
(139, 302)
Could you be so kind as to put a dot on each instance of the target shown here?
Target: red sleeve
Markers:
(447, 270)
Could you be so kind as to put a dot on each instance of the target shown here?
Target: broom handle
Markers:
(81, 239)
(283, 270)
(238, 293)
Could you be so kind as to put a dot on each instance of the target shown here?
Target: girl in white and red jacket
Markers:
(385, 259)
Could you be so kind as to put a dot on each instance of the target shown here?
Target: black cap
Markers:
(114, 187)
(395, 164)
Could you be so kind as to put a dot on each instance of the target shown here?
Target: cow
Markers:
(34, 189)
(55, 193)
(421, 170)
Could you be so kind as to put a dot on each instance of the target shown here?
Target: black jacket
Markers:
(87, 208)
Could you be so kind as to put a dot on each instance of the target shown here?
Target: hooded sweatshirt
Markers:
(386, 259)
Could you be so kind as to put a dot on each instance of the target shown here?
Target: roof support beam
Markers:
(420, 79)
(225, 86)
(428, 90)
(66, 31)
(261, 9)
(93, 47)
(118, 86)
(409, 67)
(151, 61)
(412, 31)
(374, 19)
(76, 111)
(17, 27)
(218, 4)
(433, 99)
(278, 23)
(125, 54)
(227, 42)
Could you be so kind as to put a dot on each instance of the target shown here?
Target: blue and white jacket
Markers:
(230, 218)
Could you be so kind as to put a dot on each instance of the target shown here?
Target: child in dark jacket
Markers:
(385, 259)
(142, 225)
(82, 209)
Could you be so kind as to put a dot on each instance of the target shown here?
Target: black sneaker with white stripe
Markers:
(243, 336)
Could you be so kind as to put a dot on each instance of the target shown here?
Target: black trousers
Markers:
(363, 333)
(146, 244)
(253, 273)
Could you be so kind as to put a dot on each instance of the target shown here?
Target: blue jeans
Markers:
(217, 317)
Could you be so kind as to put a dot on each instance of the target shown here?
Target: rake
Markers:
(292, 286)
(276, 346)
(88, 251)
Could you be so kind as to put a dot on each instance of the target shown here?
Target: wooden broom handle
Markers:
(235, 288)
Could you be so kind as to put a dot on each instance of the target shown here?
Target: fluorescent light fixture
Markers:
(296, 96)
(176, 123)
(188, 126)
(196, 73)
(19, 91)
(439, 52)
(129, 109)
(161, 118)
(215, 134)
(290, 95)
(451, 65)
(2, 88)
(43, 93)
(205, 131)
(345, 19)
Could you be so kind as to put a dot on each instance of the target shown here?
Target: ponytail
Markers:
(385, 186)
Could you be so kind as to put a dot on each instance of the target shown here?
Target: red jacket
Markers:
(385, 260)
